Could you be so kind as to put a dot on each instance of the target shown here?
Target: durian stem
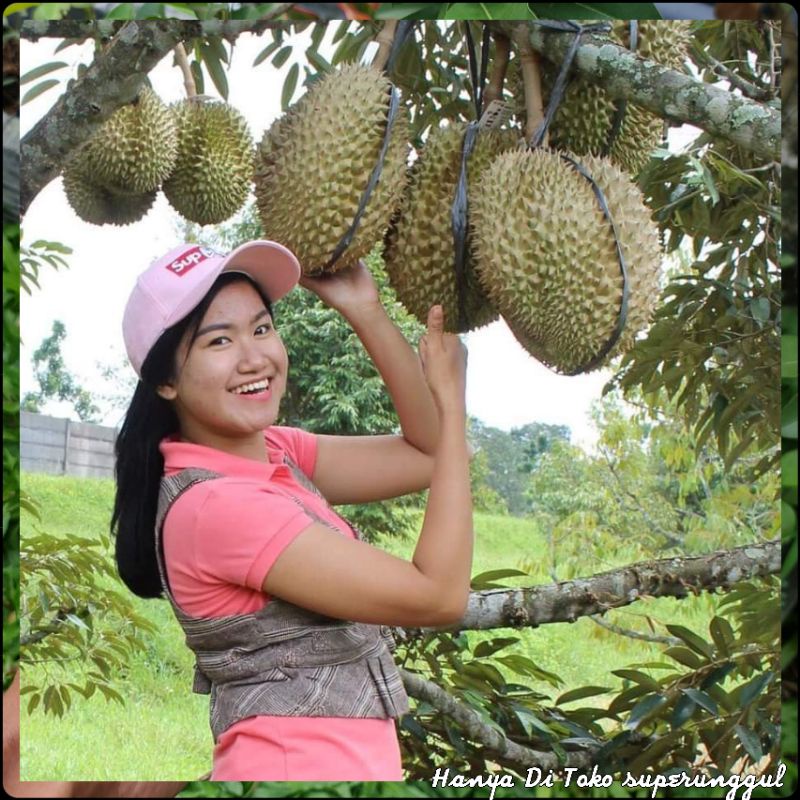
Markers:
(384, 39)
(532, 81)
(494, 89)
(183, 62)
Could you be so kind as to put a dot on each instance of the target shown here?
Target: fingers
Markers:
(436, 320)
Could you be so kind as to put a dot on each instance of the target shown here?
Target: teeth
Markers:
(249, 387)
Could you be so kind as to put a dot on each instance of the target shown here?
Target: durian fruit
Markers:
(214, 165)
(314, 163)
(99, 205)
(135, 149)
(420, 253)
(584, 119)
(545, 254)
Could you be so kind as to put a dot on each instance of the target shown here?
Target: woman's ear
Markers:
(167, 391)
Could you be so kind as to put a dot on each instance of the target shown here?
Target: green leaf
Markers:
(215, 70)
(281, 56)
(789, 418)
(197, 74)
(788, 354)
(318, 61)
(122, 11)
(697, 643)
(684, 656)
(753, 688)
(487, 11)
(750, 741)
(594, 10)
(722, 634)
(789, 469)
(492, 646)
(645, 707)
(638, 677)
(289, 86)
(40, 88)
(759, 309)
(702, 699)
(486, 580)
(406, 10)
(580, 694)
(37, 72)
(683, 711)
(266, 53)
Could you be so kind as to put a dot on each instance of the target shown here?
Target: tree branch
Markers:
(513, 754)
(645, 637)
(666, 92)
(566, 601)
(33, 30)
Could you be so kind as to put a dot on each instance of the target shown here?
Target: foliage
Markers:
(11, 495)
(649, 483)
(720, 690)
(511, 456)
(65, 620)
(484, 498)
(55, 381)
(716, 340)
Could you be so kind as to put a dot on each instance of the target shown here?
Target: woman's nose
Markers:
(252, 356)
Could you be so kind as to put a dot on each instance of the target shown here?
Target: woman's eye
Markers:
(218, 340)
(265, 327)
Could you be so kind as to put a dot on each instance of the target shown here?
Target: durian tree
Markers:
(707, 340)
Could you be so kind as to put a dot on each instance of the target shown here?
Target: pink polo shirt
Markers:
(220, 539)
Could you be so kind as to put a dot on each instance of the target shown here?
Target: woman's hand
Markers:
(349, 291)
(444, 362)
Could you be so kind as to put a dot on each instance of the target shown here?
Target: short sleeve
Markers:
(299, 444)
(234, 529)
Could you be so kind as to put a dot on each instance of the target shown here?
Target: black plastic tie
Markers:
(344, 243)
(459, 217)
(623, 307)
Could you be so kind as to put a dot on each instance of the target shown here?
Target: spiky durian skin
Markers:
(102, 206)
(313, 164)
(135, 149)
(546, 255)
(584, 119)
(420, 254)
(214, 166)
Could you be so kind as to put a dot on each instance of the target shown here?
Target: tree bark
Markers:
(566, 601)
(666, 92)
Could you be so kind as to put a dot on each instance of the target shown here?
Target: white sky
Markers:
(506, 387)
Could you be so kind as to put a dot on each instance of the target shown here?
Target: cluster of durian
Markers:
(541, 252)
(199, 151)
(584, 119)
(314, 163)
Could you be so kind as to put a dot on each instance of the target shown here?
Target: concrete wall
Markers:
(63, 447)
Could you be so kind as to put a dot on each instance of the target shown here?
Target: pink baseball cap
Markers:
(173, 285)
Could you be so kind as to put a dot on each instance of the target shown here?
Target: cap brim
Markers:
(274, 267)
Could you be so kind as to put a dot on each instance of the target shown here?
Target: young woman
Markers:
(230, 515)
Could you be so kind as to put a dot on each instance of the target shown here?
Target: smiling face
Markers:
(235, 347)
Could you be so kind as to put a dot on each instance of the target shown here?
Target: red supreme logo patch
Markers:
(190, 259)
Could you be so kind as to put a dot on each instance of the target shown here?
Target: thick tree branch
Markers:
(566, 601)
(666, 92)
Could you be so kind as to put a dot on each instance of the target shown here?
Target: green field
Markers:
(162, 731)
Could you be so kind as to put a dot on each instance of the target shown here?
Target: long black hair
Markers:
(139, 463)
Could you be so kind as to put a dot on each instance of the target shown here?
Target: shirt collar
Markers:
(180, 455)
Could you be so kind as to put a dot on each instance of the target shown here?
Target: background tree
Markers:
(55, 380)
(724, 192)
